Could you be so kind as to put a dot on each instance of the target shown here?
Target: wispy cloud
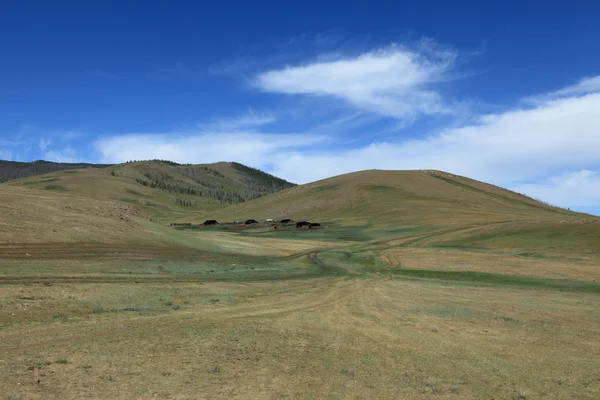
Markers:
(9, 142)
(6, 155)
(583, 87)
(394, 81)
(247, 121)
(35, 143)
(65, 155)
(202, 147)
(44, 143)
(575, 189)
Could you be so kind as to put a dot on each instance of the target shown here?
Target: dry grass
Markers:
(99, 184)
(111, 305)
(326, 338)
(521, 263)
(29, 215)
(388, 198)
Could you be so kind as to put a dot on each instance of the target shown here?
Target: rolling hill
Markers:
(428, 208)
(161, 189)
(391, 198)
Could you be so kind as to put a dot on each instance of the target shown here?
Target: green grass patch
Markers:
(70, 171)
(57, 188)
(328, 233)
(500, 279)
(533, 241)
(447, 312)
(352, 262)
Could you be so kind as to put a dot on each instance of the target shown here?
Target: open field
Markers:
(493, 297)
(308, 319)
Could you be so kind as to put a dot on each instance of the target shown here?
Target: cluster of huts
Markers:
(272, 222)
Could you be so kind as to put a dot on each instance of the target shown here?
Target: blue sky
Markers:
(503, 91)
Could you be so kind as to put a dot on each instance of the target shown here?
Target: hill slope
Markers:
(163, 190)
(389, 198)
(29, 215)
(10, 170)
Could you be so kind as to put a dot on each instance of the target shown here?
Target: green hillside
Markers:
(396, 198)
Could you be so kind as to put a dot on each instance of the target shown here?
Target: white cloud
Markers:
(506, 148)
(581, 188)
(201, 147)
(394, 81)
(584, 86)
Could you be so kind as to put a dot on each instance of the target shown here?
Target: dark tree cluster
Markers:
(246, 184)
(185, 202)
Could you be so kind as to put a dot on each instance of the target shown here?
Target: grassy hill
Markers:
(161, 189)
(443, 210)
(10, 170)
(397, 198)
(29, 215)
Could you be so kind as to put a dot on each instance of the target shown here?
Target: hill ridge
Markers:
(392, 196)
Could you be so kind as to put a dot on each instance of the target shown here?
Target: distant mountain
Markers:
(10, 170)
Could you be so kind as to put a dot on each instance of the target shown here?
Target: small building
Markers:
(315, 225)
(269, 219)
(251, 221)
(286, 221)
(302, 224)
(211, 222)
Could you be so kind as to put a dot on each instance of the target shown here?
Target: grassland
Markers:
(162, 189)
(462, 292)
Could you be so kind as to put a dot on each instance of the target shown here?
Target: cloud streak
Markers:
(585, 86)
(248, 121)
(394, 81)
(202, 147)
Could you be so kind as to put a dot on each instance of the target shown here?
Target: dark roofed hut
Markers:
(302, 224)
(251, 221)
(286, 221)
(211, 222)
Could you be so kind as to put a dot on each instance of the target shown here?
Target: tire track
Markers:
(53, 336)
